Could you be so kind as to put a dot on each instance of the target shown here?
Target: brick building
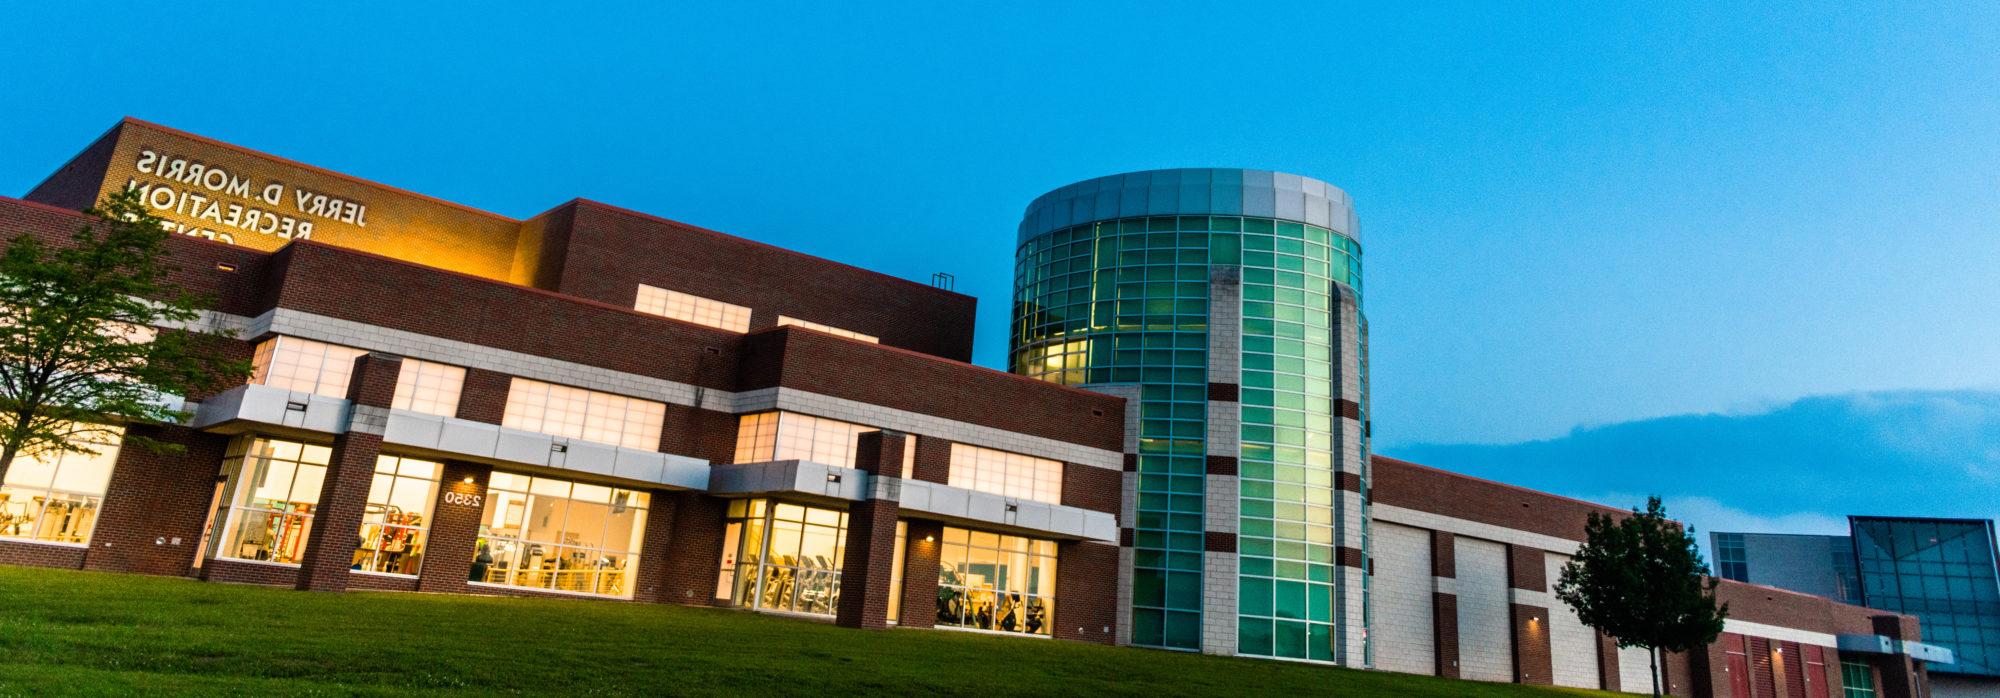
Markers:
(593, 402)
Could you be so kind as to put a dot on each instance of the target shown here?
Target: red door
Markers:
(1739, 666)
(1816, 672)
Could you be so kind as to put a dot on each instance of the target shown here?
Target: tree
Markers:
(95, 334)
(1640, 579)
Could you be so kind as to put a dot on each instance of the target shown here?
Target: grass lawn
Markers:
(73, 632)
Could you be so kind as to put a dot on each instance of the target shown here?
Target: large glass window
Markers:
(692, 308)
(561, 410)
(1006, 474)
(304, 365)
(988, 581)
(394, 525)
(1941, 571)
(544, 533)
(788, 556)
(1858, 678)
(769, 436)
(829, 329)
(55, 497)
(273, 489)
(427, 387)
(1731, 558)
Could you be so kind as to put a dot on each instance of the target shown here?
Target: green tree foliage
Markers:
(1641, 580)
(96, 334)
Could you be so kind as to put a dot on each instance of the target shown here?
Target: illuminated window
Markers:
(1006, 474)
(544, 533)
(55, 497)
(394, 525)
(304, 365)
(273, 490)
(769, 436)
(988, 581)
(430, 388)
(584, 414)
(693, 308)
(829, 329)
(786, 557)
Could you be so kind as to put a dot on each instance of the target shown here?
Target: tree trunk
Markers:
(1653, 661)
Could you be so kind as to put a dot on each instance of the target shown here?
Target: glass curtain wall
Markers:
(55, 497)
(1126, 302)
(987, 581)
(1942, 572)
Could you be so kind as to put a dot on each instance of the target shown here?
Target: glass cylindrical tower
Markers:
(1225, 305)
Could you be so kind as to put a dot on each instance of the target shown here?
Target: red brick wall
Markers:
(822, 363)
(76, 184)
(1087, 592)
(14, 552)
(695, 549)
(454, 531)
(483, 397)
(933, 461)
(239, 572)
(1412, 486)
(1444, 633)
(611, 251)
(375, 582)
(920, 574)
(1533, 658)
(336, 521)
(656, 564)
(867, 567)
(1093, 488)
(699, 433)
(194, 260)
(157, 495)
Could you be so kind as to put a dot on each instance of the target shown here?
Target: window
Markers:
(394, 525)
(1006, 474)
(788, 556)
(692, 308)
(769, 436)
(1731, 560)
(430, 388)
(1859, 678)
(274, 488)
(829, 329)
(55, 497)
(543, 533)
(988, 581)
(304, 365)
(584, 414)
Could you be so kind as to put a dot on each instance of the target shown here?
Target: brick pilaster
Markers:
(350, 471)
(694, 549)
(920, 574)
(453, 547)
(1607, 662)
(1087, 592)
(655, 567)
(866, 572)
(1444, 604)
(933, 462)
(1533, 657)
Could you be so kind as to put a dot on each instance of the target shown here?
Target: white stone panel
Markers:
(1404, 627)
(1634, 670)
(1485, 630)
(1572, 645)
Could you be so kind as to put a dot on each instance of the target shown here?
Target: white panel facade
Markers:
(1401, 593)
(1634, 670)
(1485, 633)
(1572, 645)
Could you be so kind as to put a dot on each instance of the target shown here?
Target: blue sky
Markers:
(1582, 223)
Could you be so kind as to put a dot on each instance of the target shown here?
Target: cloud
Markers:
(1793, 467)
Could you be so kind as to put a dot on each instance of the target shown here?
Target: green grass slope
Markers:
(67, 632)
